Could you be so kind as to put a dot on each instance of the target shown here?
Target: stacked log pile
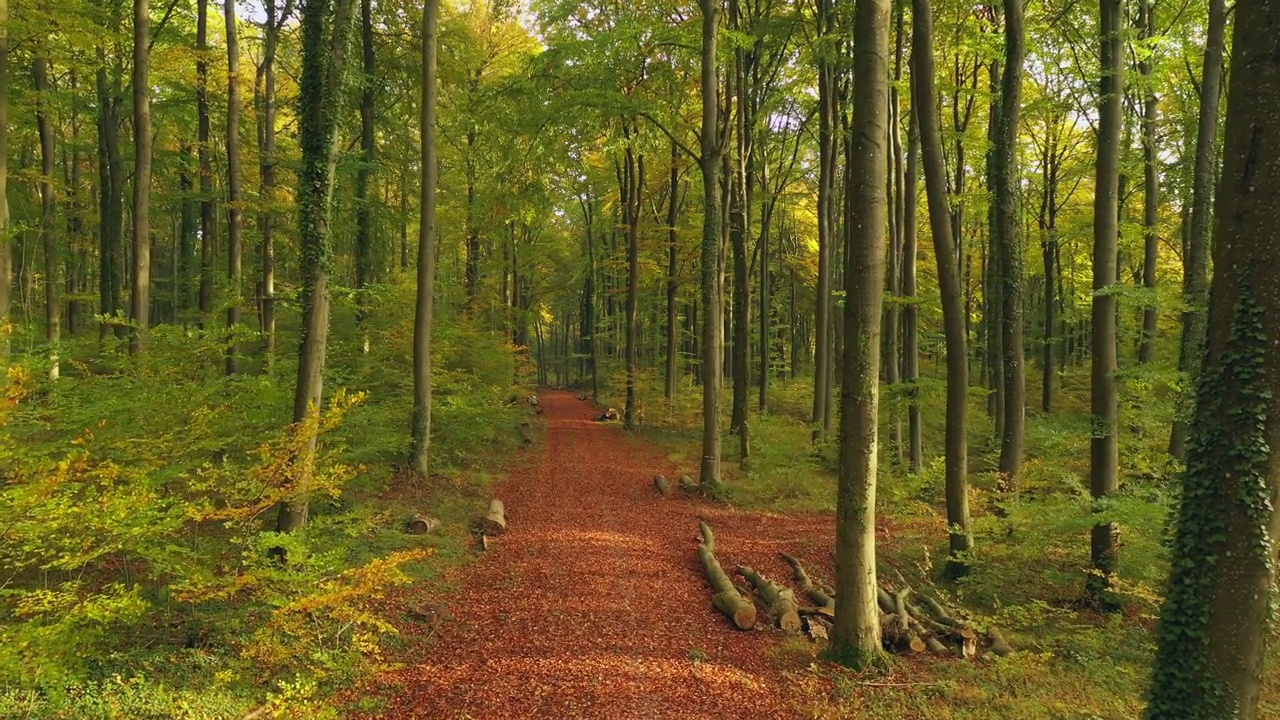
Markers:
(910, 622)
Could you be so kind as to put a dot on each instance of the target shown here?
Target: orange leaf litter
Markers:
(593, 604)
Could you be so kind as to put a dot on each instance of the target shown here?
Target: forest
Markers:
(673, 358)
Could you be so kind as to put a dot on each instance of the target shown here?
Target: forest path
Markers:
(593, 604)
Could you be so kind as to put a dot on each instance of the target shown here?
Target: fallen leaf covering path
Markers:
(592, 605)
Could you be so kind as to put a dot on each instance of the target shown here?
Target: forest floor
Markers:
(593, 603)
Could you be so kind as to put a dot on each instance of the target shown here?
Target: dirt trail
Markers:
(593, 604)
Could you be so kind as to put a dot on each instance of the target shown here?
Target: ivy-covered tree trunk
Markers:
(140, 299)
(1214, 625)
(235, 182)
(325, 28)
(45, 131)
(856, 637)
(423, 316)
(709, 162)
(1195, 256)
(1104, 453)
(1008, 245)
(953, 313)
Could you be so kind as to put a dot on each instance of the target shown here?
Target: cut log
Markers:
(817, 628)
(900, 608)
(939, 612)
(826, 603)
(582, 396)
(526, 433)
(916, 645)
(726, 597)
(780, 601)
(495, 520)
(999, 645)
(687, 485)
(936, 646)
(421, 525)
(662, 485)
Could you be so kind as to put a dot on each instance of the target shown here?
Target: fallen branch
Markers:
(826, 603)
(781, 602)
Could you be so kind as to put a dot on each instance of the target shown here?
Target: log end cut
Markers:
(495, 520)
(662, 485)
(737, 609)
(421, 525)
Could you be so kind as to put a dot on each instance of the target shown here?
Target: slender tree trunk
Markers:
(1104, 455)
(426, 242)
(856, 637)
(1195, 265)
(1008, 244)
(140, 303)
(709, 163)
(206, 169)
(911, 315)
(268, 160)
(322, 64)
(111, 195)
(826, 191)
(186, 232)
(364, 200)
(1151, 188)
(957, 459)
(40, 71)
(892, 355)
(634, 181)
(77, 255)
(473, 233)
(1213, 630)
(235, 209)
(6, 252)
(673, 210)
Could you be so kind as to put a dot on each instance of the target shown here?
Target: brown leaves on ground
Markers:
(593, 604)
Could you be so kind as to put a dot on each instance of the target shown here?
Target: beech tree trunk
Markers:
(268, 160)
(140, 302)
(45, 131)
(1104, 453)
(856, 637)
(206, 165)
(673, 210)
(1214, 626)
(709, 162)
(364, 200)
(1008, 244)
(1151, 187)
(323, 57)
(953, 312)
(1195, 257)
(633, 182)
(235, 180)
(421, 431)
(6, 252)
(826, 190)
(911, 314)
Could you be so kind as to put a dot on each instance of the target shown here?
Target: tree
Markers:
(268, 172)
(632, 183)
(323, 58)
(6, 253)
(1213, 628)
(1151, 181)
(421, 431)
(206, 166)
(235, 209)
(364, 209)
(953, 312)
(1195, 266)
(140, 301)
(1104, 453)
(822, 371)
(45, 131)
(1008, 244)
(712, 327)
(856, 637)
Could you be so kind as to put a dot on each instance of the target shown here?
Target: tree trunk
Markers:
(826, 191)
(633, 180)
(911, 314)
(1151, 187)
(235, 210)
(1104, 454)
(140, 303)
(473, 233)
(709, 162)
(206, 169)
(6, 252)
(944, 250)
(45, 131)
(268, 159)
(319, 88)
(421, 439)
(1195, 264)
(673, 210)
(1008, 244)
(364, 201)
(856, 637)
(1213, 630)
(111, 195)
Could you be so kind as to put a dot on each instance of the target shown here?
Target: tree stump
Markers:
(421, 525)
(662, 485)
(687, 485)
(495, 520)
